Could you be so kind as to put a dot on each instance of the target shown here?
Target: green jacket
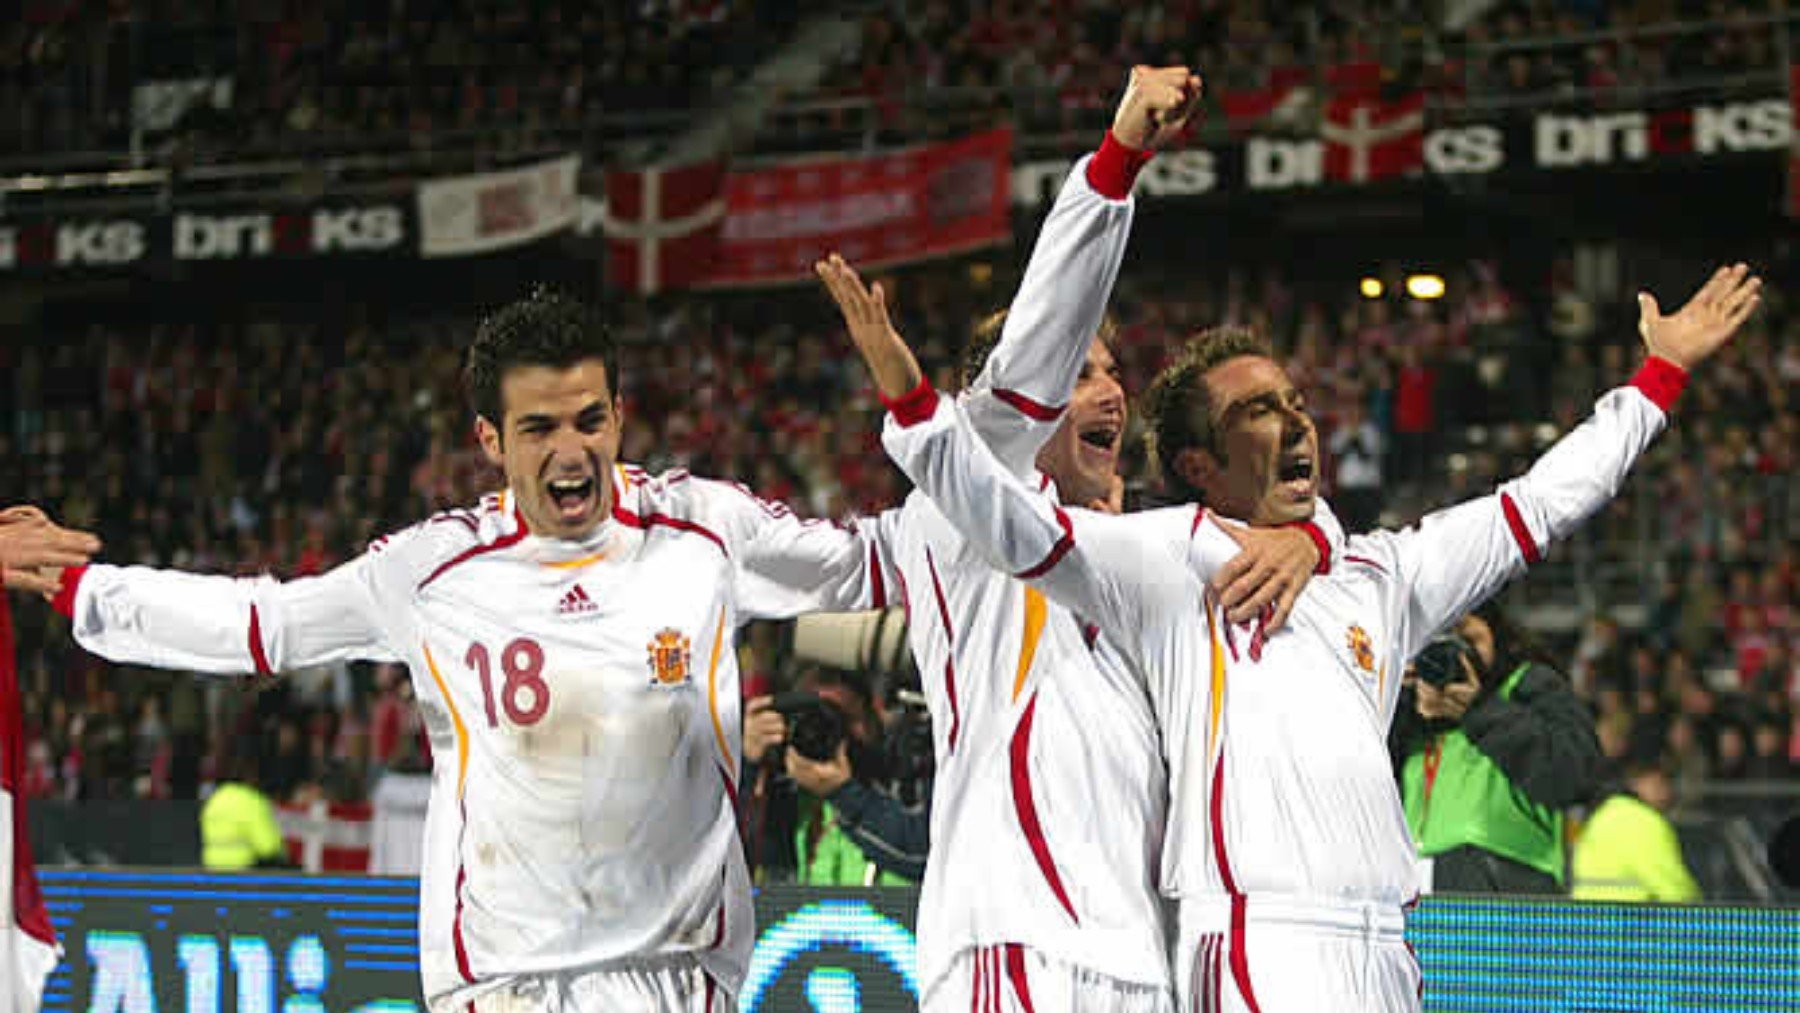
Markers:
(1629, 852)
(833, 859)
(238, 828)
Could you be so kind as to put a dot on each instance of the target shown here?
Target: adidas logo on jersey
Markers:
(576, 602)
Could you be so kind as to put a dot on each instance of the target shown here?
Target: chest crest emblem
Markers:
(1361, 648)
(669, 655)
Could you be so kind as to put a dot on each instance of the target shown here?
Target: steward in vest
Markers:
(1490, 747)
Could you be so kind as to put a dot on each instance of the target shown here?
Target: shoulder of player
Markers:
(418, 551)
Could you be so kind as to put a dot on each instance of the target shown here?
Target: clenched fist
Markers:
(1158, 104)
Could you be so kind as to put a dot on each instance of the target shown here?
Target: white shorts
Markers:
(1276, 956)
(1010, 978)
(674, 984)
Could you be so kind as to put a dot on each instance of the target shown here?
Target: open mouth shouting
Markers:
(1296, 473)
(575, 499)
(1100, 441)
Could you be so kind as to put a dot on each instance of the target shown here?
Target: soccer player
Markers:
(1030, 901)
(1287, 847)
(569, 641)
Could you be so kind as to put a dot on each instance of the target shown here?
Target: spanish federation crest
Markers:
(1357, 639)
(669, 654)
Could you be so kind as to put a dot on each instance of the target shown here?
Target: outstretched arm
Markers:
(1458, 557)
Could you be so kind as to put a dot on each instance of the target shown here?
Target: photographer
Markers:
(861, 814)
(1491, 745)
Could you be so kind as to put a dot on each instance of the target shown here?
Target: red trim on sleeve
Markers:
(914, 406)
(1319, 540)
(1115, 167)
(1027, 407)
(1521, 533)
(1057, 551)
(64, 602)
(877, 586)
(1661, 381)
(256, 645)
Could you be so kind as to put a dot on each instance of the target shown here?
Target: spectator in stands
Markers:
(1629, 851)
(238, 829)
(1491, 746)
(1356, 448)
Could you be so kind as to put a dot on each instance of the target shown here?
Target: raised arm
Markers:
(1456, 558)
(226, 625)
(1017, 399)
(787, 565)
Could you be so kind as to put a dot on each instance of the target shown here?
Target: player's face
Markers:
(1083, 455)
(1269, 470)
(557, 444)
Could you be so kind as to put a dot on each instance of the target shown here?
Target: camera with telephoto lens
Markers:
(815, 725)
(1440, 663)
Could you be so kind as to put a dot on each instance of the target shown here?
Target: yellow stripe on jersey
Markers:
(571, 564)
(624, 477)
(456, 721)
(1217, 697)
(1034, 628)
(712, 693)
(1381, 685)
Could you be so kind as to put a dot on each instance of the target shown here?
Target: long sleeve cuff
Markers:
(1661, 381)
(64, 602)
(1115, 167)
(1323, 544)
(914, 406)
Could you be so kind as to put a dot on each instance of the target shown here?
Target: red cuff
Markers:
(1312, 531)
(1661, 381)
(64, 602)
(1115, 167)
(914, 406)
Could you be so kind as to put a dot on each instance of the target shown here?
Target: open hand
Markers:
(1694, 332)
(891, 364)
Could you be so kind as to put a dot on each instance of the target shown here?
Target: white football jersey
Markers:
(582, 700)
(1279, 775)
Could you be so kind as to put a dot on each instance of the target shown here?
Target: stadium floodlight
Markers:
(1371, 288)
(1425, 286)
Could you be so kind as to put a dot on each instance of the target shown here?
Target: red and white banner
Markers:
(327, 837)
(28, 948)
(467, 215)
(665, 230)
(1368, 139)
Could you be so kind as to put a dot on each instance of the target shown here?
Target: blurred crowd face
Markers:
(1263, 467)
(557, 444)
(1480, 636)
(1083, 455)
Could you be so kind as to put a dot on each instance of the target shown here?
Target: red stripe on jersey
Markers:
(1217, 807)
(1057, 551)
(975, 983)
(64, 602)
(1320, 542)
(914, 406)
(878, 589)
(1366, 561)
(257, 656)
(1027, 407)
(730, 788)
(456, 929)
(648, 521)
(1240, 958)
(1015, 974)
(709, 992)
(1199, 515)
(1661, 381)
(475, 550)
(1520, 533)
(937, 588)
(1025, 807)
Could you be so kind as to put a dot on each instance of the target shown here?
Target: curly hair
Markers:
(986, 337)
(1178, 406)
(545, 328)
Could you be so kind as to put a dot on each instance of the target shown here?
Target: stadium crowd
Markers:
(282, 441)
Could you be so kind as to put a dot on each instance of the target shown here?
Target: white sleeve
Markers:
(1455, 558)
(229, 625)
(787, 565)
(1017, 400)
(1107, 569)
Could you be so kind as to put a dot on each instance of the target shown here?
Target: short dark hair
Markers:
(546, 328)
(1178, 405)
(986, 337)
